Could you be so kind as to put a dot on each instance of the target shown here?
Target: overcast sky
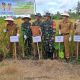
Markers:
(55, 5)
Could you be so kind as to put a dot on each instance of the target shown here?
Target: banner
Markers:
(17, 7)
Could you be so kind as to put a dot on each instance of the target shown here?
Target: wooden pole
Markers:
(59, 50)
(14, 53)
(23, 53)
(41, 51)
(38, 50)
(23, 49)
(77, 50)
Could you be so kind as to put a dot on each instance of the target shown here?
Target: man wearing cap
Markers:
(27, 35)
(37, 23)
(65, 27)
(48, 35)
(77, 32)
(12, 30)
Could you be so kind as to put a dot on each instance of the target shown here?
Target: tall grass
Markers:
(3, 37)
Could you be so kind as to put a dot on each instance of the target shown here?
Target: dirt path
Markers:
(38, 70)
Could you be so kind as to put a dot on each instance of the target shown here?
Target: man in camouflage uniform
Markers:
(38, 23)
(48, 35)
(77, 32)
(12, 30)
(65, 27)
(27, 35)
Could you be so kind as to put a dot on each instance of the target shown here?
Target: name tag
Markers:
(37, 39)
(14, 39)
(59, 39)
(77, 38)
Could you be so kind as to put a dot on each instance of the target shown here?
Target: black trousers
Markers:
(28, 47)
(49, 55)
(49, 50)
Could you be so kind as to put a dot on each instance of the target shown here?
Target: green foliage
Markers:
(1, 51)
(21, 41)
(3, 38)
(61, 54)
(72, 43)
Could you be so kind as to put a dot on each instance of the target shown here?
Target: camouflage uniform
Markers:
(25, 27)
(37, 23)
(48, 36)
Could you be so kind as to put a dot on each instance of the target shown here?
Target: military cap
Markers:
(38, 14)
(47, 14)
(26, 17)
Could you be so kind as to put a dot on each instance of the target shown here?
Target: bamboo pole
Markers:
(38, 50)
(77, 50)
(14, 51)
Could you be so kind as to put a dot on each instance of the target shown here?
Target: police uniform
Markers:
(26, 31)
(48, 36)
(65, 28)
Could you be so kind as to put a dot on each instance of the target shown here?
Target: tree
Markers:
(57, 15)
(78, 8)
(70, 11)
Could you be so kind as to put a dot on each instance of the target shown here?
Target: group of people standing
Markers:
(47, 31)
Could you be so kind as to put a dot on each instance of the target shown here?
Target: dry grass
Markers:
(39, 70)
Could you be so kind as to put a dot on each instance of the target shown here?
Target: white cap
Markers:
(65, 14)
(9, 19)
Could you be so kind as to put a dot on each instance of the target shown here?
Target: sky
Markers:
(55, 5)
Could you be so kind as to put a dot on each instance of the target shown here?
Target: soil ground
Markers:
(38, 70)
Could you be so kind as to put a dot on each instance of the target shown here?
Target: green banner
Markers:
(17, 7)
